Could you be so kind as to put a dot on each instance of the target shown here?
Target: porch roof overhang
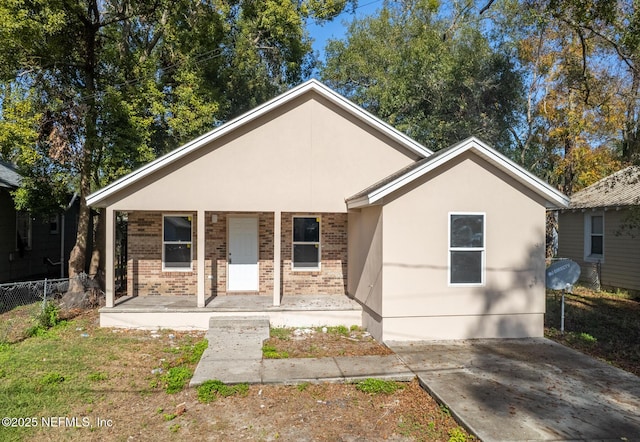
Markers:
(102, 197)
(375, 194)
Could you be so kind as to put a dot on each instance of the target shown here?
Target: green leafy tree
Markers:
(581, 83)
(437, 79)
(92, 89)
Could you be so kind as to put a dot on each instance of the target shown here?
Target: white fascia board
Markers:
(363, 201)
(313, 84)
(554, 197)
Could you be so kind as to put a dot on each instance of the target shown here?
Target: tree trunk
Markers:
(78, 256)
(569, 173)
(630, 135)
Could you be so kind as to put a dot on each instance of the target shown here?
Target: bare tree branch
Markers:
(486, 7)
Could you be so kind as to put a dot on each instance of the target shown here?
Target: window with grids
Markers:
(466, 248)
(594, 237)
(306, 243)
(176, 242)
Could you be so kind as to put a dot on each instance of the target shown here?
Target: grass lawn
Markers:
(77, 381)
(602, 324)
(66, 382)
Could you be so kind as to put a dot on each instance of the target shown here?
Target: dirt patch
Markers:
(603, 324)
(323, 412)
(323, 342)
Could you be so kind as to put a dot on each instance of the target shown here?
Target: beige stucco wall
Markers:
(307, 156)
(619, 267)
(418, 302)
(364, 279)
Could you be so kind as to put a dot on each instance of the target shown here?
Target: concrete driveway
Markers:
(527, 389)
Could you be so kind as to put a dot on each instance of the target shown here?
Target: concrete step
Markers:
(234, 353)
(238, 337)
(232, 321)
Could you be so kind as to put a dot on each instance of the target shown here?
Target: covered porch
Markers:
(183, 313)
(218, 253)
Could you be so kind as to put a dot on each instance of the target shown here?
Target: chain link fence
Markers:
(21, 303)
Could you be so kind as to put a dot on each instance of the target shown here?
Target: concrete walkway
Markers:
(500, 390)
(234, 355)
(527, 389)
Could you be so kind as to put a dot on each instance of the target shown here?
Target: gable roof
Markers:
(309, 86)
(9, 177)
(619, 189)
(374, 194)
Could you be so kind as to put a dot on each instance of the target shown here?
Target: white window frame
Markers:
(318, 243)
(28, 240)
(177, 269)
(588, 256)
(482, 249)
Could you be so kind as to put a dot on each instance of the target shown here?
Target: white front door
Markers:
(242, 246)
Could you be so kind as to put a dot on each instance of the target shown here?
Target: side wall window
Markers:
(176, 242)
(594, 236)
(466, 248)
(23, 231)
(306, 243)
(54, 224)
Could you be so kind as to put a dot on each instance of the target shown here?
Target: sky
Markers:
(337, 28)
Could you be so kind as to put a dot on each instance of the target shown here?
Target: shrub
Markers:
(281, 333)
(176, 378)
(48, 317)
(197, 350)
(375, 386)
(587, 338)
(270, 352)
(209, 391)
(457, 435)
(52, 378)
(97, 376)
(338, 330)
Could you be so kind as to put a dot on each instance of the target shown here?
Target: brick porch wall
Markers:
(145, 275)
(144, 259)
(331, 279)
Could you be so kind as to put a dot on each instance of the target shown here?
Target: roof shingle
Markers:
(619, 189)
(9, 177)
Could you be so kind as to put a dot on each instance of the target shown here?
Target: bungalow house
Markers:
(31, 246)
(308, 202)
(598, 232)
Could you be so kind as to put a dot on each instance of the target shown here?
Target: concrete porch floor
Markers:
(181, 312)
(237, 303)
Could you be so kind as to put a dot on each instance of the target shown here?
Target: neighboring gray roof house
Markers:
(31, 247)
(9, 177)
(595, 231)
(621, 189)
